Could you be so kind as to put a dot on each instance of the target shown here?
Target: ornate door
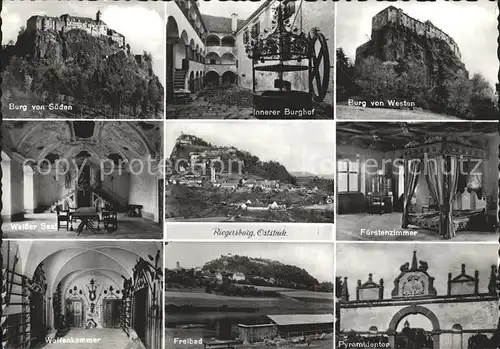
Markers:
(112, 313)
(75, 313)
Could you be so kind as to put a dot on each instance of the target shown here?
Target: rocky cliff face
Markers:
(93, 73)
(397, 44)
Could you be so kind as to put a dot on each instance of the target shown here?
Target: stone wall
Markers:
(473, 315)
(397, 16)
(103, 283)
(143, 191)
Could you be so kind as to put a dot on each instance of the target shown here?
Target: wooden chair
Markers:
(110, 220)
(431, 205)
(376, 203)
(63, 218)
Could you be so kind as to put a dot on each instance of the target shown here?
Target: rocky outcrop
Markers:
(93, 72)
(230, 156)
(393, 43)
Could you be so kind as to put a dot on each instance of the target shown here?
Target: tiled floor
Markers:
(95, 339)
(44, 225)
(348, 228)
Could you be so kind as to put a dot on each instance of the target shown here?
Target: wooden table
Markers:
(87, 217)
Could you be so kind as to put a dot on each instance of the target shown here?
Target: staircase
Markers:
(69, 199)
(179, 78)
(107, 198)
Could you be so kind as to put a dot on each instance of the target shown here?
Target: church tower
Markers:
(98, 16)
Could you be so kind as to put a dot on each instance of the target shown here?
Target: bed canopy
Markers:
(444, 162)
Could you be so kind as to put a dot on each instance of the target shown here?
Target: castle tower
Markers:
(234, 22)
(344, 293)
(414, 263)
(98, 16)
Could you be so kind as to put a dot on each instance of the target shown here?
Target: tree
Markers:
(375, 79)
(153, 93)
(440, 94)
(482, 99)
(459, 96)
(481, 87)
(345, 76)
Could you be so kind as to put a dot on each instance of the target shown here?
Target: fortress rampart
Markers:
(66, 22)
(396, 16)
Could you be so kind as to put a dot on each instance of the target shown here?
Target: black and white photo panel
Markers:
(250, 60)
(250, 172)
(249, 295)
(82, 179)
(417, 181)
(82, 294)
(79, 60)
(422, 295)
(412, 61)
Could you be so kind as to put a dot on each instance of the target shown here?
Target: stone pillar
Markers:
(16, 191)
(435, 339)
(217, 329)
(392, 339)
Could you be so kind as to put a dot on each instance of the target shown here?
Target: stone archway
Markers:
(172, 40)
(228, 78)
(212, 78)
(412, 310)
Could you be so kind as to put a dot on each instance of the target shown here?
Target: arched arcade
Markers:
(108, 291)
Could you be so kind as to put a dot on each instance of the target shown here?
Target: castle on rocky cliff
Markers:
(396, 16)
(95, 27)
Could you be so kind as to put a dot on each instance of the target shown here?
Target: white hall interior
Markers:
(109, 292)
(74, 164)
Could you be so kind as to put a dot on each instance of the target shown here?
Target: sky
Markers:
(142, 24)
(299, 146)
(227, 8)
(472, 25)
(383, 261)
(315, 258)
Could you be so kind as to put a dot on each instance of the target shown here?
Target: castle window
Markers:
(348, 176)
(255, 30)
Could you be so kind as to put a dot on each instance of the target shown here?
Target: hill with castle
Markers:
(198, 150)
(408, 60)
(81, 65)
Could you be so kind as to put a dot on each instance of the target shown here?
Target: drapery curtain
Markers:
(434, 176)
(442, 175)
(412, 170)
(451, 184)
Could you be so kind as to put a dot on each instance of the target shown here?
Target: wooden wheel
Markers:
(319, 70)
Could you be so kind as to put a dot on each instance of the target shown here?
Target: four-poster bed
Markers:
(444, 162)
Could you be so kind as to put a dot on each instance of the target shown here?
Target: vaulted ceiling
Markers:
(100, 140)
(386, 136)
(66, 261)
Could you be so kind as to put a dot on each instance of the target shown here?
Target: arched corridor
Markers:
(55, 172)
(228, 78)
(211, 79)
(108, 294)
